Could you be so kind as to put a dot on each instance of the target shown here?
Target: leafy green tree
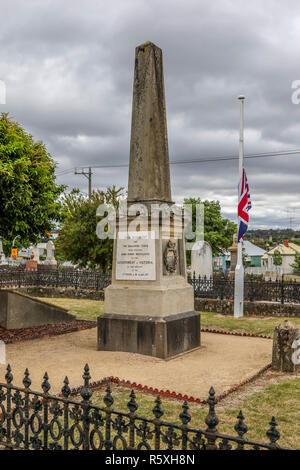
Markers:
(245, 259)
(77, 240)
(277, 258)
(218, 231)
(29, 195)
(296, 264)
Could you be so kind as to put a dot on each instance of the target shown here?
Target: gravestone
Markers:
(201, 259)
(149, 306)
(286, 348)
(35, 254)
(31, 265)
(233, 254)
(2, 255)
(50, 258)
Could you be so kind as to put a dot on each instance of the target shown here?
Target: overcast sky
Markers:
(68, 68)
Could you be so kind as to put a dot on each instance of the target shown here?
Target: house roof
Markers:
(252, 250)
(292, 249)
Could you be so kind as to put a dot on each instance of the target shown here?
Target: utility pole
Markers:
(239, 269)
(88, 175)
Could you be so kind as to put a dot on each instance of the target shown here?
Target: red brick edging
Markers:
(180, 396)
(234, 333)
(168, 393)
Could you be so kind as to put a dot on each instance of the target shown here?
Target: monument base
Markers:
(163, 337)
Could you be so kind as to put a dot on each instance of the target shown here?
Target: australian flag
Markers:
(244, 206)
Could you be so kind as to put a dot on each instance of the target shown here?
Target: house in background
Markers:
(287, 251)
(253, 253)
(221, 263)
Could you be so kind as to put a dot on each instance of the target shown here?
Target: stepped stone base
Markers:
(163, 337)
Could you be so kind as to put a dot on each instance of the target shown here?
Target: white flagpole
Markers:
(239, 269)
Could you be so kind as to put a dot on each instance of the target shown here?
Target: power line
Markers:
(202, 160)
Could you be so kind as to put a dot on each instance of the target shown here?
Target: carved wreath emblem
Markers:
(170, 257)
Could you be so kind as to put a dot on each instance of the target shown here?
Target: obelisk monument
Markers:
(149, 307)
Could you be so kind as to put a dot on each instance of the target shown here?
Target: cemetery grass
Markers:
(85, 309)
(257, 325)
(281, 400)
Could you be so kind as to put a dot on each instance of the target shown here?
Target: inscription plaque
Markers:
(135, 260)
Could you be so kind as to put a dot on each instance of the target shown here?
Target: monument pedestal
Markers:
(163, 337)
(149, 307)
(152, 317)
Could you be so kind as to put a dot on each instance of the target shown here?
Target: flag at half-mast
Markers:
(244, 206)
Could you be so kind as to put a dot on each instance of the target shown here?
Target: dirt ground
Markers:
(222, 361)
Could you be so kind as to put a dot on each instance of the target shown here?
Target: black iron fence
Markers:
(40, 421)
(255, 289)
(54, 278)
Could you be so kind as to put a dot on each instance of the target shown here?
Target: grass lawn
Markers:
(261, 325)
(83, 309)
(280, 400)
(90, 309)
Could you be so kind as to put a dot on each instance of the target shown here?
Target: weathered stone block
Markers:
(284, 341)
(20, 311)
(162, 337)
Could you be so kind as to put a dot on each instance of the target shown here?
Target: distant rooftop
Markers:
(252, 250)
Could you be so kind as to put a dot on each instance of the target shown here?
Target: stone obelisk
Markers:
(149, 307)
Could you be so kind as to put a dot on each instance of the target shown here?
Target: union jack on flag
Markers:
(244, 206)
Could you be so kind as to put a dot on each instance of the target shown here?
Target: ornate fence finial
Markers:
(132, 404)
(185, 415)
(66, 389)
(8, 376)
(272, 433)
(157, 410)
(211, 419)
(108, 399)
(241, 428)
(86, 392)
(45, 385)
(26, 380)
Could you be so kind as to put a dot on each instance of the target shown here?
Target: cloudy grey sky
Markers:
(68, 68)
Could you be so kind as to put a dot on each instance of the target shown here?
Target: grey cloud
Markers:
(68, 67)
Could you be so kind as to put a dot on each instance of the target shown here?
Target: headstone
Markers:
(35, 254)
(233, 254)
(149, 306)
(285, 346)
(31, 265)
(2, 255)
(50, 258)
(201, 259)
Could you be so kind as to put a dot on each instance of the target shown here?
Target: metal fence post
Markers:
(282, 289)
(212, 421)
(86, 394)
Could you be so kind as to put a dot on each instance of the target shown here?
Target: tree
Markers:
(29, 195)
(296, 264)
(277, 259)
(77, 240)
(245, 259)
(218, 231)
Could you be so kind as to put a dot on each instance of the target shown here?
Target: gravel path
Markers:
(222, 361)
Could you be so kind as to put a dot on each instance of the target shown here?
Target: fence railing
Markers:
(40, 421)
(255, 289)
(54, 278)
